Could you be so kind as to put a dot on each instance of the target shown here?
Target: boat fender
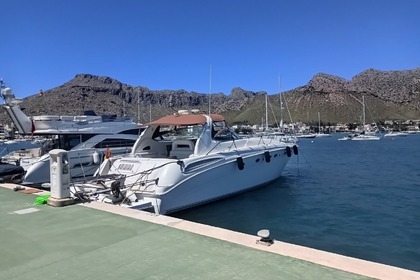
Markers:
(96, 158)
(288, 151)
(267, 156)
(240, 162)
(115, 189)
(295, 150)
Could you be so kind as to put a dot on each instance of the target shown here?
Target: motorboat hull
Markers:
(83, 165)
(220, 181)
(170, 185)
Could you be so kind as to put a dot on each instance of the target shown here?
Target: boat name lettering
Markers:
(125, 166)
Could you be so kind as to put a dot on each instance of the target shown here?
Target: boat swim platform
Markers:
(102, 241)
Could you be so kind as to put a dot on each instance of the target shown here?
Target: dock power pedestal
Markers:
(60, 179)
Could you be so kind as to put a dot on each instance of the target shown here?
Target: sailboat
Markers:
(268, 132)
(319, 134)
(364, 135)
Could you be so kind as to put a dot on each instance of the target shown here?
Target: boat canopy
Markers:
(186, 119)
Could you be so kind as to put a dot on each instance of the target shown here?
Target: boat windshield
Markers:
(222, 132)
(177, 132)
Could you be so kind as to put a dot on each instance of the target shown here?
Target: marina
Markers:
(210, 140)
(176, 164)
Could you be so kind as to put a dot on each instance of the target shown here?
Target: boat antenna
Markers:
(210, 93)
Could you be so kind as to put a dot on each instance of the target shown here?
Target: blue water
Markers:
(355, 198)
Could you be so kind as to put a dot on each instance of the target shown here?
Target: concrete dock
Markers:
(102, 241)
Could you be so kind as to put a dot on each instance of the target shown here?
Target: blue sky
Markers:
(163, 44)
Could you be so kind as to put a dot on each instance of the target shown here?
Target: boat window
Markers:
(69, 141)
(177, 132)
(115, 143)
(134, 131)
(222, 132)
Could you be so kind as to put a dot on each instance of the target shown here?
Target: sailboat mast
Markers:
(281, 106)
(266, 111)
(138, 107)
(319, 123)
(210, 93)
(364, 112)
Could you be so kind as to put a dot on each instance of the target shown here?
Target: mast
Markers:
(210, 93)
(138, 107)
(364, 112)
(281, 106)
(266, 111)
(319, 123)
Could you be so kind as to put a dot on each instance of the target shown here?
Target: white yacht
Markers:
(84, 159)
(365, 136)
(188, 159)
(396, 134)
(87, 137)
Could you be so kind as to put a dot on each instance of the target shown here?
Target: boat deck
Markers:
(102, 241)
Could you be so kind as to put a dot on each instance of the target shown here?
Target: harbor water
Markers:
(356, 198)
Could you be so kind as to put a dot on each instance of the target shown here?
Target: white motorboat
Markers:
(317, 135)
(84, 159)
(89, 123)
(87, 137)
(360, 137)
(25, 157)
(188, 159)
(396, 134)
(346, 138)
(365, 137)
(306, 135)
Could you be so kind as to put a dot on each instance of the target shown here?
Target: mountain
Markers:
(388, 95)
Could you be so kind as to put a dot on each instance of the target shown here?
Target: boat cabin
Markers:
(176, 136)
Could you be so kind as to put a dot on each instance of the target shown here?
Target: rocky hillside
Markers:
(388, 95)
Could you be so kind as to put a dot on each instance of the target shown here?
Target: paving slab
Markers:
(111, 242)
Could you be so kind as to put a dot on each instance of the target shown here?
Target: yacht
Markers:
(396, 134)
(87, 136)
(365, 137)
(184, 160)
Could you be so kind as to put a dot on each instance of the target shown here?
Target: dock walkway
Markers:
(102, 241)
